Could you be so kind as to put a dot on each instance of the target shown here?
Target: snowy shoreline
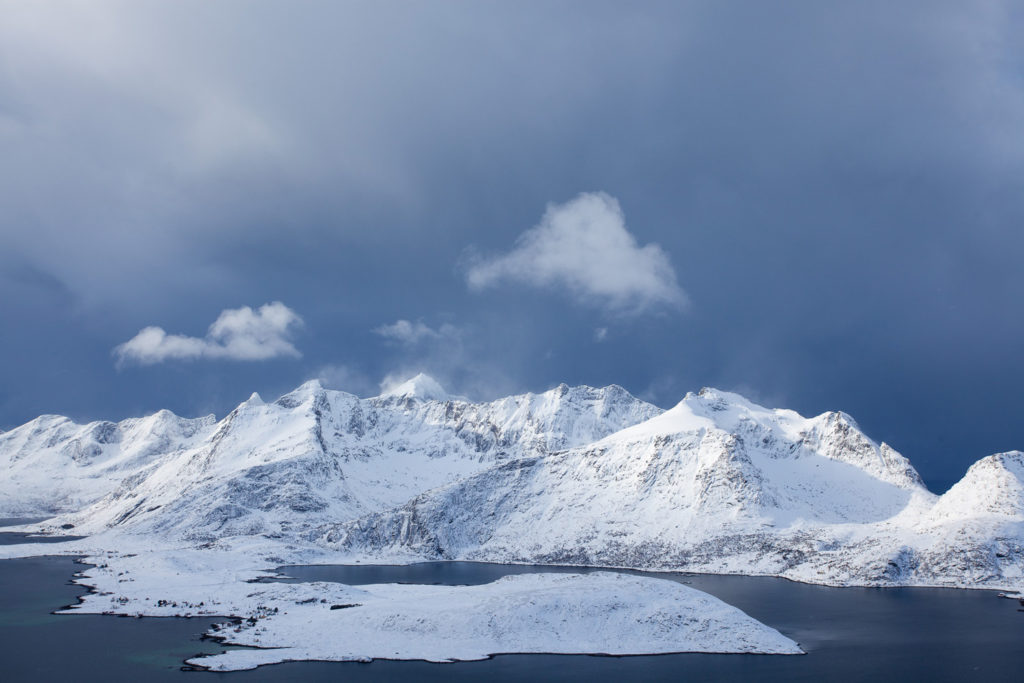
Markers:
(313, 556)
(275, 621)
(606, 613)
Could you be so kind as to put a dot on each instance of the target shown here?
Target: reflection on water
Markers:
(849, 633)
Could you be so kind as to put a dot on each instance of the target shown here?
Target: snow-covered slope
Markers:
(52, 464)
(992, 486)
(572, 475)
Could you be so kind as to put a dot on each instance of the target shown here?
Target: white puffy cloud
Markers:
(583, 246)
(406, 332)
(236, 334)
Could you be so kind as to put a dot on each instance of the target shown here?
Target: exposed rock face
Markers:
(572, 475)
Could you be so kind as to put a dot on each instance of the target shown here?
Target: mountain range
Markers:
(573, 475)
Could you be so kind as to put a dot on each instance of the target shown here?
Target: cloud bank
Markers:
(236, 334)
(583, 245)
(409, 333)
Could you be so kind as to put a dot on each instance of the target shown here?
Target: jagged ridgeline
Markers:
(573, 475)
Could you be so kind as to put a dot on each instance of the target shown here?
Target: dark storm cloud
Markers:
(837, 186)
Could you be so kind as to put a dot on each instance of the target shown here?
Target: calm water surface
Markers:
(849, 633)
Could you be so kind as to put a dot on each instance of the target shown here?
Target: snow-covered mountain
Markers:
(572, 475)
(718, 484)
(310, 457)
(53, 465)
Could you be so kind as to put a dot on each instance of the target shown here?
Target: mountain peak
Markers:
(992, 485)
(586, 390)
(421, 386)
(310, 386)
(298, 396)
(1001, 466)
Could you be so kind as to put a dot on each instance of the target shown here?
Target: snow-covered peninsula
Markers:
(601, 612)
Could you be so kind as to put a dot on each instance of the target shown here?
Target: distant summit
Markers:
(421, 386)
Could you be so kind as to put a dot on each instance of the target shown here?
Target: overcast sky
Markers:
(816, 204)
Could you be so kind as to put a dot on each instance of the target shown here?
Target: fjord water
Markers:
(39, 646)
(848, 633)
